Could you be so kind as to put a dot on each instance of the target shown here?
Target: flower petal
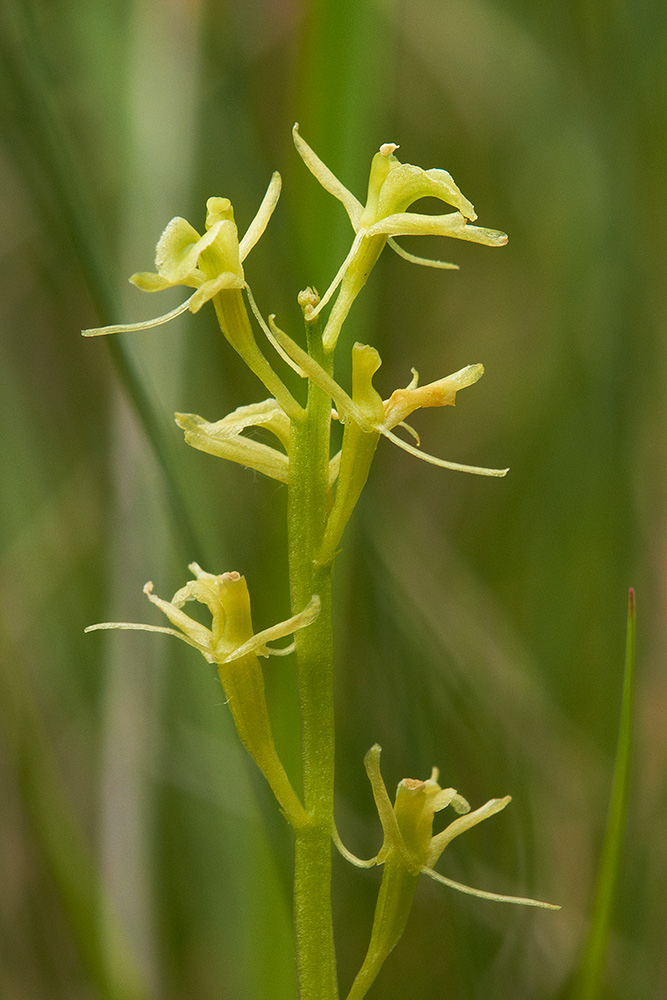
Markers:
(476, 470)
(348, 855)
(218, 210)
(451, 224)
(269, 335)
(424, 261)
(147, 281)
(521, 900)
(344, 404)
(261, 220)
(225, 439)
(199, 634)
(403, 402)
(393, 839)
(145, 325)
(327, 179)
(174, 254)
(339, 275)
(136, 626)
(180, 247)
(406, 183)
(226, 280)
(463, 823)
(257, 643)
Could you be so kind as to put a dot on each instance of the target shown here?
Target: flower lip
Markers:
(226, 439)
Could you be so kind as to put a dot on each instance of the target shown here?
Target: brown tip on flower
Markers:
(387, 148)
(148, 587)
(412, 783)
(232, 575)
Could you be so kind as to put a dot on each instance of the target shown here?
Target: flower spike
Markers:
(392, 187)
(232, 645)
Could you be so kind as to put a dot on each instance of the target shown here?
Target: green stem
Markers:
(308, 506)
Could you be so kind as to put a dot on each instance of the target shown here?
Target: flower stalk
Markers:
(307, 510)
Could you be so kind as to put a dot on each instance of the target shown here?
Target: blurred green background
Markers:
(480, 622)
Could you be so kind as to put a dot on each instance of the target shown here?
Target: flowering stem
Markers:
(308, 506)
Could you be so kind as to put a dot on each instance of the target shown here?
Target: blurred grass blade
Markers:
(67, 854)
(29, 74)
(592, 966)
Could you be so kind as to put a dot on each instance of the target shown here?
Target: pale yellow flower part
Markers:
(400, 404)
(209, 263)
(234, 647)
(231, 635)
(392, 187)
(409, 849)
(225, 438)
(408, 827)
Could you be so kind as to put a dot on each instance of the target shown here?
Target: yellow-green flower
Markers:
(234, 647)
(392, 187)
(364, 408)
(409, 849)
(212, 264)
(366, 417)
(231, 634)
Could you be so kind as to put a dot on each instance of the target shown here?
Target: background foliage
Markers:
(481, 622)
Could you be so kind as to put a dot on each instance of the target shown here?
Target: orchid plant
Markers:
(323, 490)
